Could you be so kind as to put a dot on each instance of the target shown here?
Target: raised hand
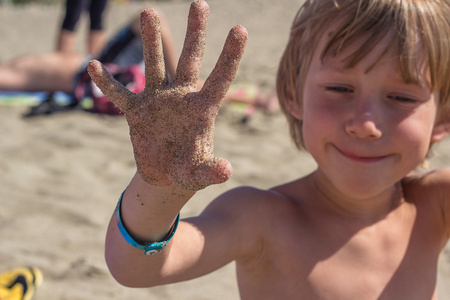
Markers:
(171, 124)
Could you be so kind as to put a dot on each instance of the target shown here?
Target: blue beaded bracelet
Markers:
(149, 248)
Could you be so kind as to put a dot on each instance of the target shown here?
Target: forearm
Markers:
(148, 213)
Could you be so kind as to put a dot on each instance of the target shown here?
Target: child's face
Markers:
(365, 126)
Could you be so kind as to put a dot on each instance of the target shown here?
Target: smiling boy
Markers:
(364, 85)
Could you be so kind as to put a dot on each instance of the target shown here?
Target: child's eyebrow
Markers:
(334, 69)
(423, 85)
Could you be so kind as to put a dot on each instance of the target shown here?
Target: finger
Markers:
(155, 72)
(219, 171)
(188, 70)
(112, 89)
(210, 172)
(218, 82)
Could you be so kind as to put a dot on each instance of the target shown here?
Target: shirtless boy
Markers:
(365, 87)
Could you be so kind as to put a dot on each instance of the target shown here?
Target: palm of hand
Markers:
(171, 124)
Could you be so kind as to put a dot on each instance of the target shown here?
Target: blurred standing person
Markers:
(96, 36)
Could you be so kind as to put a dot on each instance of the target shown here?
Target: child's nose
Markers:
(363, 124)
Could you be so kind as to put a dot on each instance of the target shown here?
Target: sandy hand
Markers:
(172, 125)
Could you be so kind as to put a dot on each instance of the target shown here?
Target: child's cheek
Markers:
(414, 134)
(316, 127)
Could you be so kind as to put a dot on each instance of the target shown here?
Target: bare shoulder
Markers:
(430, 194)
(434, 184)
(247, 216)
(254, 203)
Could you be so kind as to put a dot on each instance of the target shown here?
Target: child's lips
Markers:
(361, 157)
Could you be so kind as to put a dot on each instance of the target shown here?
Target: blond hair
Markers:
(414, 24)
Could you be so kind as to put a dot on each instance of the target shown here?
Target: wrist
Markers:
(149, 211)
(169, 190)
(149, 248)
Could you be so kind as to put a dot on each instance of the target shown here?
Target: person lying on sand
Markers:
(65, 71)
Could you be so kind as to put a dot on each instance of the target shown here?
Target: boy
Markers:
(364, 85)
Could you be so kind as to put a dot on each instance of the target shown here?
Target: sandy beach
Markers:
(61, 175)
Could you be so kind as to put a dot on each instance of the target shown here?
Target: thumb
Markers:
(208, 173)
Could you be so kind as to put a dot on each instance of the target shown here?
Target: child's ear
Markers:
(295, 108)
(440, 131)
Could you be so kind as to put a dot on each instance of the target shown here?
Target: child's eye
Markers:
(402, 99)
(338, 89)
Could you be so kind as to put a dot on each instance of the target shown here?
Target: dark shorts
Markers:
(74, 9)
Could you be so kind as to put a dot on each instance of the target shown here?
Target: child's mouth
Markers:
(360, 157)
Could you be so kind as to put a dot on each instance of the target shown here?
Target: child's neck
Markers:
(367, 210)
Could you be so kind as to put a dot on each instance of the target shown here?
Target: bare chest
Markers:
(397, 260)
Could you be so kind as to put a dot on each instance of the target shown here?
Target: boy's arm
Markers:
(201, 244)
(171, 129)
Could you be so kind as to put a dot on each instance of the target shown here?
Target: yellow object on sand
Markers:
(19, 283)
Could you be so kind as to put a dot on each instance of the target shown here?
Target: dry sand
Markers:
(61, 175)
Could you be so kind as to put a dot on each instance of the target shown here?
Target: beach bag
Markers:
(92, 99)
